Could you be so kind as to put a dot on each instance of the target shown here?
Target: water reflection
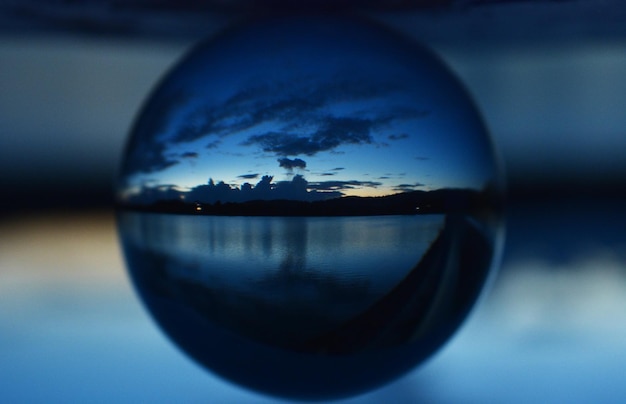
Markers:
(318, 294)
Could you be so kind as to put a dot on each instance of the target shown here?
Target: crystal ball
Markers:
(309, 206)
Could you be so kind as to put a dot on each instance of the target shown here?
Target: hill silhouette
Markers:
(406, 203)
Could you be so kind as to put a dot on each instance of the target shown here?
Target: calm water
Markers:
(315, 272)
(302, 302)
(371, 253)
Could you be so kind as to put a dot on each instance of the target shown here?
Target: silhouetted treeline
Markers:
(407, 203)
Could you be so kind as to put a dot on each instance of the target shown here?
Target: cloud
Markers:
(398, 137)
(332, 132)
(301, 112)
(290, 164)
(407, 187)
(342, 185)
(296, 189)
(338, 169)
(189, 155)
(147, 159)
(249, 176)
(151, 194)
(213, 144)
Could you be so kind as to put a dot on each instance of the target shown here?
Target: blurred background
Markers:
(550, 80)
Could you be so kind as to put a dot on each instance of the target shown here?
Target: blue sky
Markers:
(348, 108)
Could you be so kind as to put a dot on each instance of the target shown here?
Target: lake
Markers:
(317, 293)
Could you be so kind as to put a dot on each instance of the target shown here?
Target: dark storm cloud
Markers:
(290, 164)
(249, 176)
(189, 155)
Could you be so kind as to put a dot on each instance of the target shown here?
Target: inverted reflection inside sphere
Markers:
(308, 206)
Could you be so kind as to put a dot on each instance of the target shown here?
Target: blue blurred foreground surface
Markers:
(551, 329)
(549, 78)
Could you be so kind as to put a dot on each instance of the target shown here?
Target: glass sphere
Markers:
(309, 206)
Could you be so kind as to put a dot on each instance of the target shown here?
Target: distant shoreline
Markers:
(406, 203)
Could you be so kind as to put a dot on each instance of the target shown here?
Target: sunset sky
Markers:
(348, 108)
